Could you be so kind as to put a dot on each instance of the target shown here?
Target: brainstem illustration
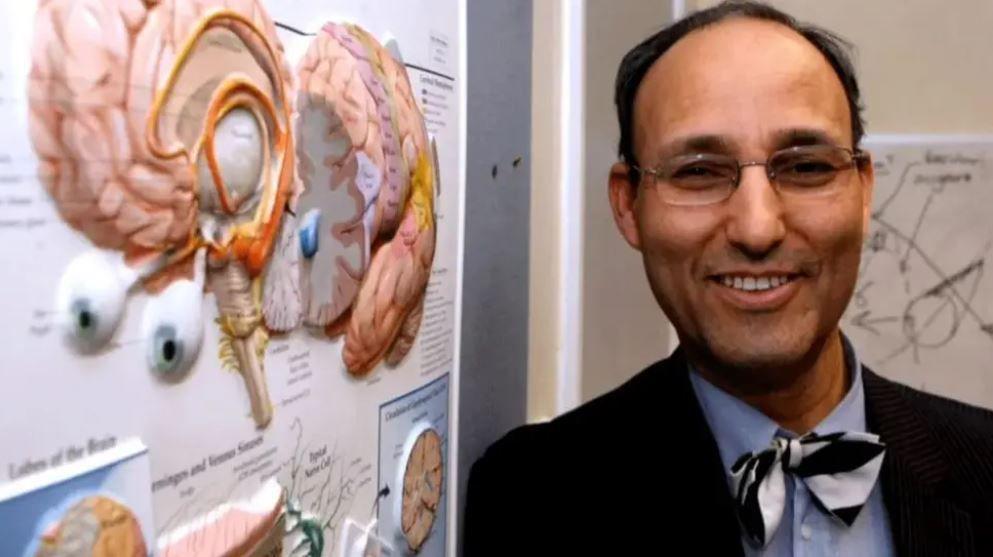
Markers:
(175, 137)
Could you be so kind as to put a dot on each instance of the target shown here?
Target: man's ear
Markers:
(867, 173)
(623, 200)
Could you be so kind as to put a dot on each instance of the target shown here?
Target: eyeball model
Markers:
(172, 326)
(90, 300)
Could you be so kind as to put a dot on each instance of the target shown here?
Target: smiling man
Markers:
(743, 186)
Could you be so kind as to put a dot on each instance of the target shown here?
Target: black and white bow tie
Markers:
(840, 470)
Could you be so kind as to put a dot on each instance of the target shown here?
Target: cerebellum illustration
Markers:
(176, 138)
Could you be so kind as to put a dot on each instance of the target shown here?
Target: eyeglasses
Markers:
(705, 178)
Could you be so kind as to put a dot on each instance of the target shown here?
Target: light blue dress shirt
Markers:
(805, 529)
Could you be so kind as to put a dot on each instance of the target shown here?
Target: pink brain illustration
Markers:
(175, 134)
(366, 216)
(89, 139)
(163, 132)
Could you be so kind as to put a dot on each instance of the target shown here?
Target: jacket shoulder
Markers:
(963, 431)
(617, 408)
(973, 422)
(540, 474)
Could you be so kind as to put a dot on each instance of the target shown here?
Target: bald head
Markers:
(751, 81)
(642, 59)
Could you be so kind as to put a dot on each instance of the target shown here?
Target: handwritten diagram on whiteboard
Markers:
(922, 312)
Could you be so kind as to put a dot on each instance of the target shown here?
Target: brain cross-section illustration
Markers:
(365, 218)
(174, 135)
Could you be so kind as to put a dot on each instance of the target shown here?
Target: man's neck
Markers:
(806, 401)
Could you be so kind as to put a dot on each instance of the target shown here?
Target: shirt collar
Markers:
(739, 428)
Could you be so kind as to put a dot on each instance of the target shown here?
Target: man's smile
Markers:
(757, 291)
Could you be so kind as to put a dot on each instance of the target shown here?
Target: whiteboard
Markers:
(922, 310)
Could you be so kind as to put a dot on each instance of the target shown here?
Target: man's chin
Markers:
(760, 363)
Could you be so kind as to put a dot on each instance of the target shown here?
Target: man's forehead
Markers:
(778, 138)
(736, 67)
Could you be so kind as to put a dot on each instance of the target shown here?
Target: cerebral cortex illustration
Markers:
(175, 134)
(87, 125)
(365, 217)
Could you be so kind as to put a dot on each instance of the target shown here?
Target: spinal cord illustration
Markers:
(176, 138)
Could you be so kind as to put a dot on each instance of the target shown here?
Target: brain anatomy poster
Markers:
(230, 230)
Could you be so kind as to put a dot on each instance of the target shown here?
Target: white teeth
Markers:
(750, 284)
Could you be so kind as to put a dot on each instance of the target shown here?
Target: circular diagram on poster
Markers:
(420, 474)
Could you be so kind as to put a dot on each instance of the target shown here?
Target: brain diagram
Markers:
(422, 482)
(175, 135)
(97, 526)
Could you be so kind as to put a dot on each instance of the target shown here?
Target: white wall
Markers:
(924, 66)
(623, 328)
(543, 339)
(577, 257)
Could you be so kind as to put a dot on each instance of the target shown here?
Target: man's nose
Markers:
(755, 222)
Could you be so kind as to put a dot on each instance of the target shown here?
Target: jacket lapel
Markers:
(924, 519)
(713, 507)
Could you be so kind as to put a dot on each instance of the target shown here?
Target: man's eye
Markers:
(698, 172)
(809, 167)
(806, 171)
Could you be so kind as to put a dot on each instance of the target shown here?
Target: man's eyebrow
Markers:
(697, 144)
(796, 137)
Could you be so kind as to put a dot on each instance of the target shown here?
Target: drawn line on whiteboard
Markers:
(860, 298)
(976, 265)
(933, 316)
(917, 229)
(932, 265)
(896, 191)
(945, 291)
(863, 320)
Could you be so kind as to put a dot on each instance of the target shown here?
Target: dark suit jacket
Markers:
(637, 472)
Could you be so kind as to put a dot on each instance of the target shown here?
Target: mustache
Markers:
(799, 262)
